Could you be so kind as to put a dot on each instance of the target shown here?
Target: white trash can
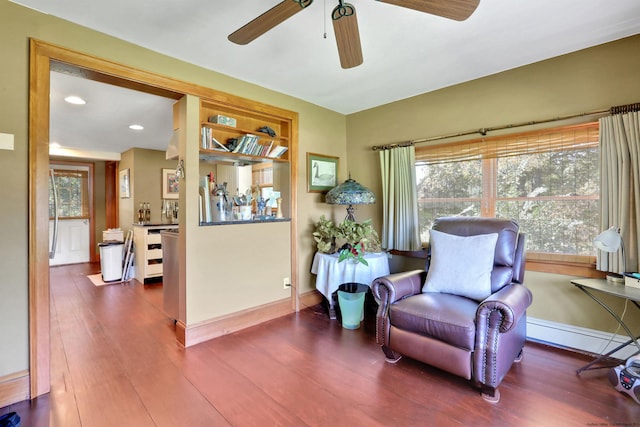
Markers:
(111, 260)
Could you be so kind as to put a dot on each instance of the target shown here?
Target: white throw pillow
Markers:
(461, 265)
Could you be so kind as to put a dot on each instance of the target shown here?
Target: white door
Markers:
(72, 244)
(70, 229)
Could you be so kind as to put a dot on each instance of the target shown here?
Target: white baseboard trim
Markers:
(578, 338)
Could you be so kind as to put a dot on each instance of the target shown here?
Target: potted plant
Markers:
(351, 239)
(325, 236)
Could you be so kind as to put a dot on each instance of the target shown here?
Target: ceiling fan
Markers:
(345, 23)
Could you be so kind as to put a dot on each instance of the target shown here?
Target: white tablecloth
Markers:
(331, 273)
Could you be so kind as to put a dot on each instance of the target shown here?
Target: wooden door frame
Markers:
(112, 207)
(45, 57)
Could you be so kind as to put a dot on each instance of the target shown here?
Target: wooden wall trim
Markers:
(204, 331)
(569, 269)
(213, 328)
(39, 311)
(14, 388)
(310, 298)
(111, 194)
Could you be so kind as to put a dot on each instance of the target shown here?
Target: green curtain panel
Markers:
(400, 229)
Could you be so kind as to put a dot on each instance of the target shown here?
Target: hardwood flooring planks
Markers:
(115, 362)
(233, 394)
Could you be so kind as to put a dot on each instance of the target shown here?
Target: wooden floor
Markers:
(115, 362)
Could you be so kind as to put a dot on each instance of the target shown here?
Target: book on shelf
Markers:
(267, 149)
(277, 151)
(218, 144)
(209, 142)
(242, 142)
(247, 144)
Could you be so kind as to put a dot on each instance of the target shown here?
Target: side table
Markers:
(331, 273)
(618, 290)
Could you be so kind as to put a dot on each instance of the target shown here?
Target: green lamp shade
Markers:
(350, 193)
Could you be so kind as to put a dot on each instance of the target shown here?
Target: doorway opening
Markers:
(45, 58)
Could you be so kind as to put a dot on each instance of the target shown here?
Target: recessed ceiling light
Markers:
(76, 100)
(136, 127)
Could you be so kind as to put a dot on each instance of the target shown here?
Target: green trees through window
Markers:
(72, 186)
(552, 191)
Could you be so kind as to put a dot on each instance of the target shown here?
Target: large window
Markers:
(547, 180)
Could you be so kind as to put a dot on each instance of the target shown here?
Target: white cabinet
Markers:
(147, 244)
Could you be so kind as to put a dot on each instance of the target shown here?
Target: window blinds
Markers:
(573, 137)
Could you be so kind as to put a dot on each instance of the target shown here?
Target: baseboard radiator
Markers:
(577, 338)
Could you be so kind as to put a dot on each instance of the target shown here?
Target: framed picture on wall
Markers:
(322, 172)
(169, 184)
(125, 186)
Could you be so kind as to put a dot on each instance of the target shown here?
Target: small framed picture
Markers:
(125, 186)
(169, 184)
(322, 173)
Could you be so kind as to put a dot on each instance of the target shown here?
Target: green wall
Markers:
(145, 169)
(584, 81)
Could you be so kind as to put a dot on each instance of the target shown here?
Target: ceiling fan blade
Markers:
(345, 27)
(263, 23)
(452, 9)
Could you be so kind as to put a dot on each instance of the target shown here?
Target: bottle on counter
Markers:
(141, 214)
(147, 214)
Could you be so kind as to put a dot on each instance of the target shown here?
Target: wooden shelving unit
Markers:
(249, 118)
(247, 123)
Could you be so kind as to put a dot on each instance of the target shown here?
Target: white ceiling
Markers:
(101, 126)
(406, 52)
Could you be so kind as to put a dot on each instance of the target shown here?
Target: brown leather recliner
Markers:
(477, 340)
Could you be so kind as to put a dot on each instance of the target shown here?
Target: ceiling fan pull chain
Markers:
(324, 19)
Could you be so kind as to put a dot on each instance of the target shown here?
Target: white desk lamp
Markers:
(610, 241)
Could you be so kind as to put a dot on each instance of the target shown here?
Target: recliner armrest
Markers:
(398, 285)
(512, 301)
(387, 290)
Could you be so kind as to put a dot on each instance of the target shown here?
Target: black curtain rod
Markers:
(622, 109)
(483, 131)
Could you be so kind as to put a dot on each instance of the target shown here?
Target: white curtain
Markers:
(620, 187)
(400, 228)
